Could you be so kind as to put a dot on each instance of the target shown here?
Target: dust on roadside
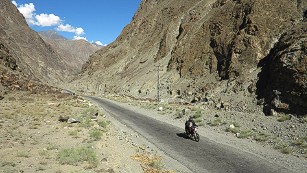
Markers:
(33, 140)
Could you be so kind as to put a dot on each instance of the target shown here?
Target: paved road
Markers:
(203, 156)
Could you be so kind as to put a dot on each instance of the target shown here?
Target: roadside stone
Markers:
(231, 126)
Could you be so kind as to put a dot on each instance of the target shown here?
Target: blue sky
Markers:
(98, 21)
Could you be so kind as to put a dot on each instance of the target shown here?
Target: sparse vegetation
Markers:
(52, 147)
(103, 124)
(76, 156)
(198, 114)
(284, 148)
(44, 153)
(283, 118)
(215, 122)
(96, 134)
(12, 164)
(233, 130)
(245, 134)
(261, 137)
(150, 163)
(23, 154)
(74, 133)
(236, 124)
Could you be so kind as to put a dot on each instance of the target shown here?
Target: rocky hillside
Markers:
(12, 77)
(214, 51)
(73, 52)
(34, 58)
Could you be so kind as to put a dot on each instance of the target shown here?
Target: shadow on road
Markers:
(183, 135)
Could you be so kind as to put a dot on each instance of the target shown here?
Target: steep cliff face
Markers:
(207, 49)
(33, 56)
(283, 80)
(12, 77)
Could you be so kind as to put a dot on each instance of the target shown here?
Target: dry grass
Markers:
(35, 136)
(150, 163)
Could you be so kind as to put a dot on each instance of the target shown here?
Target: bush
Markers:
(75, 156)
(233, 130)
(96, 134)
(103, 124)
(216, 122)
(261, 137)
(197, 114)
(284, 118)
(245, 134)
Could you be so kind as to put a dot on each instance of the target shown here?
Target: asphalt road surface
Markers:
(203, 156)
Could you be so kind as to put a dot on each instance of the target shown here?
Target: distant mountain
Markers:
(73, 52)
(52, 35)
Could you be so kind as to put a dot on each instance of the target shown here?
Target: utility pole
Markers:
(158, 83)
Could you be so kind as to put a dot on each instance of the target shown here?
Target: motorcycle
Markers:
(192, 133)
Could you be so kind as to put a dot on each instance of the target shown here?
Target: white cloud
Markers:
(100, 44)
(65, 28)
(27, 10)
(79, 38)
(47, 20)
(43, 20)
(79, 31)
(15, 3)
(68, 28)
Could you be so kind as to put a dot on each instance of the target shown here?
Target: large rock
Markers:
(283, 81)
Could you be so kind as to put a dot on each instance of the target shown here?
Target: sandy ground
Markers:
(33, 140)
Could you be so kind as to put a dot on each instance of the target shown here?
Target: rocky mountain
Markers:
(239, 52)
(73, 52)
(36, 59)
(51, 35)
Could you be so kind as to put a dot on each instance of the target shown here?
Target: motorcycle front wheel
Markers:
(196, 137)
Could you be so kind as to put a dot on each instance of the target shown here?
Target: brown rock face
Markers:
(283, 80)
(33, 56)
(207, 49)
(12, 78)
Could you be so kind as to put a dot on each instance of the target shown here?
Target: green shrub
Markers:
(284, 118)
(233, 130)
(96, 134)
(197, 114)
(261, 137)
(76, 156)
(245, 134)
(156, 164)
(236, 124)
(73, 133)
(298, 142)
(103, 124)
(216, 122)
(23, 154)
(286, 150)
(53, 147)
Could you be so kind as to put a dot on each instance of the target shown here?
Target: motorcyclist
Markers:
(189, 125)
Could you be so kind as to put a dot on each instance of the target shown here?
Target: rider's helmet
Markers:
(190, 118)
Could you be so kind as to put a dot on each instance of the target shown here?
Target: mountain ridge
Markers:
(208, 50)
(73, 52)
